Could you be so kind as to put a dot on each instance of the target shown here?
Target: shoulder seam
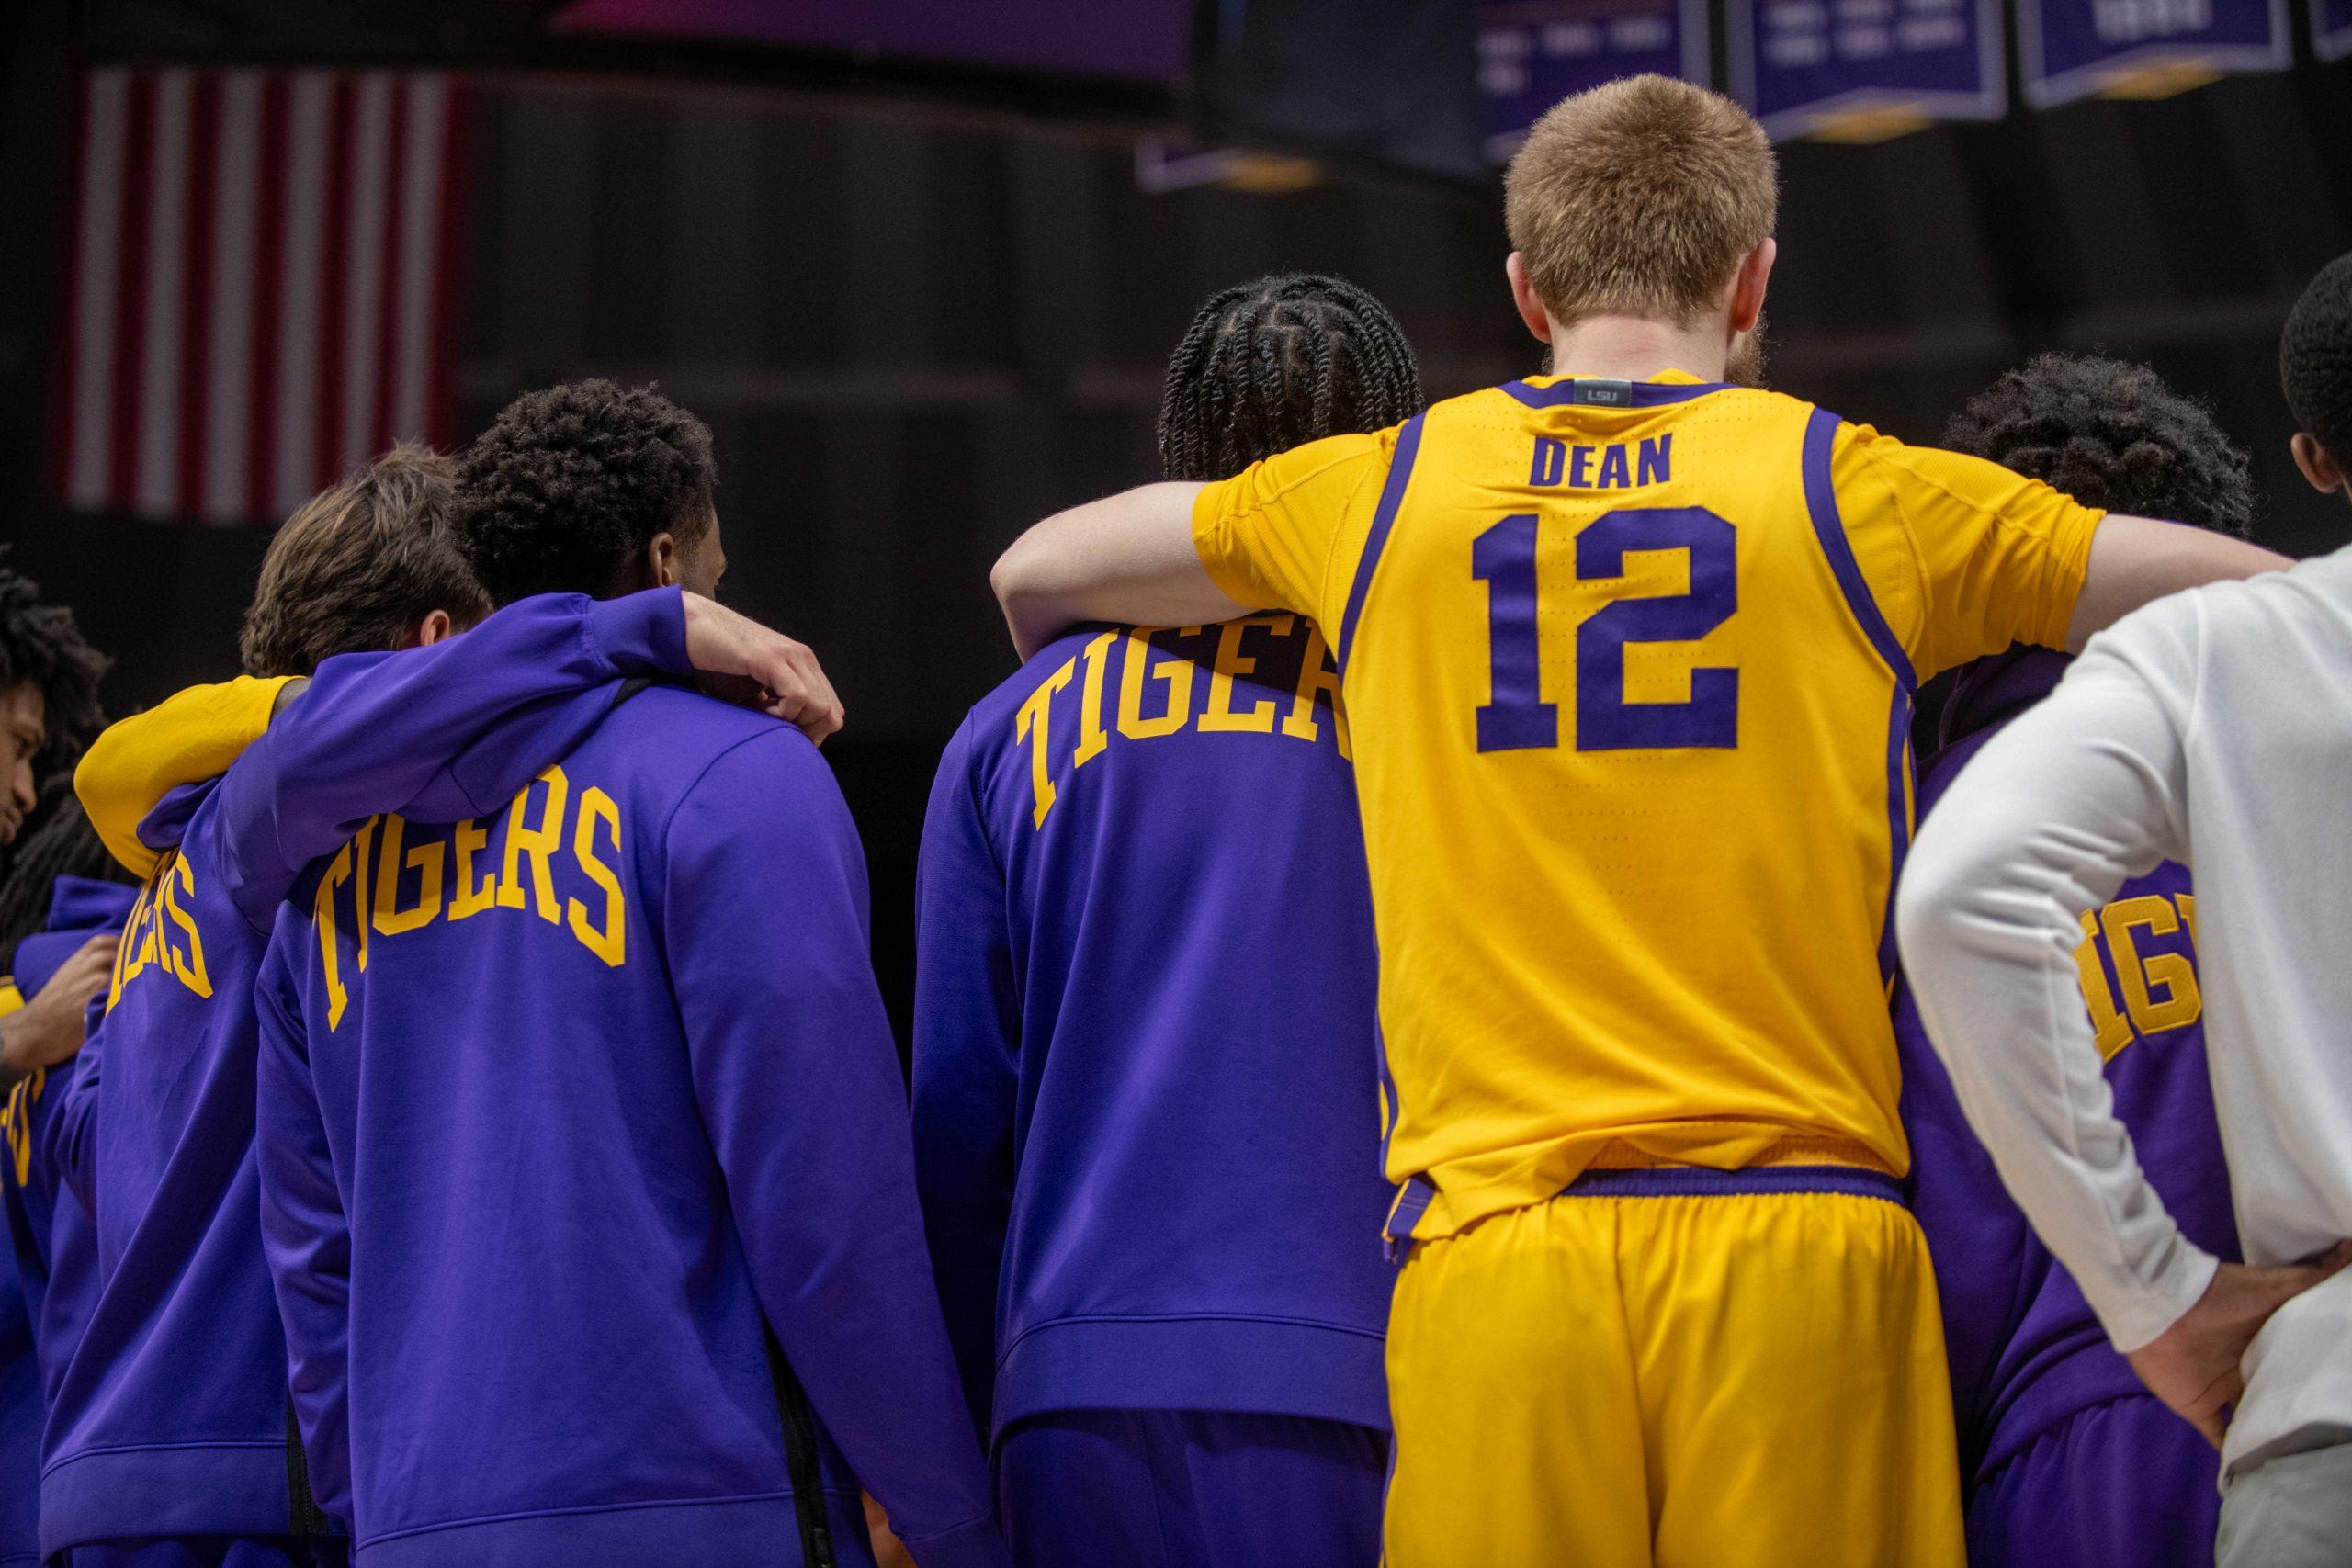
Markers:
(968, 786)
(1311, 474)
(1910, 539)
(1332, 550)
(670, 820)
(658, 909)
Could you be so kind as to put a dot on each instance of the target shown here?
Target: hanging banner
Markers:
(2147, 48)
(1865, 69)
(1533, 53)
(2331, 29)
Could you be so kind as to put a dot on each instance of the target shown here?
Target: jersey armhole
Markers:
(1384, 519)
(1829, 529)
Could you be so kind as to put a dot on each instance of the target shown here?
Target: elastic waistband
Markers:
(1697, 1182)
(1624, 1154)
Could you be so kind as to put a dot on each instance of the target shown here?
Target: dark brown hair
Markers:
(358, 565)
(40, 644)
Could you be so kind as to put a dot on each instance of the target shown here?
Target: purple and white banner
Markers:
(1533, 53)
(2149, 48)
(1865, 69)
(2331, 29)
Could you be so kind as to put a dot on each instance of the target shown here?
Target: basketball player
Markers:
(1628, 653)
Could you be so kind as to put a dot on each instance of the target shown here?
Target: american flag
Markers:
(258, 296)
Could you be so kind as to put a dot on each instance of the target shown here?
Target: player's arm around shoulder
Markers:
(1126, 558)
(1182, 554)
(1966, 557)
(2135, 561)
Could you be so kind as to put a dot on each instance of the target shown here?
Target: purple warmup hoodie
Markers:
(2025, 1350)
(172, 1415)
(581, 1122)
(49, 1232)
(1145, 1067)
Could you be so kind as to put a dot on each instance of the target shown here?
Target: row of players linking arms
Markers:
(1403, 1067)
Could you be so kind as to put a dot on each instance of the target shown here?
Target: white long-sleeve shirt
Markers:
(2214, 728)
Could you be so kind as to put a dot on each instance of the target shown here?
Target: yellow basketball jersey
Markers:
(1630, 667)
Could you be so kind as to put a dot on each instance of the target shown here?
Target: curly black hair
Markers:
(41, 644)
(2315, 359)
(1274, 363)
(2112, 434)
(567, 487)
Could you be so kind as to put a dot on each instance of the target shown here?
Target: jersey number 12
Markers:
(1517, 718)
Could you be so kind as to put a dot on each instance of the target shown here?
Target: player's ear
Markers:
(1747, 281)
(1523, 293)
(435, 627)
(2325, 474)
(662, 565)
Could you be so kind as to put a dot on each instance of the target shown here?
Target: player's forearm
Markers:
(436, 733)
(1126, 559)
(797, 1076)
(2049, 820)
(822, 1176)
(68, 1135)
(2134, 560)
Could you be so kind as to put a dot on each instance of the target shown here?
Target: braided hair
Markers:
(2110, 433)
(1277, 363)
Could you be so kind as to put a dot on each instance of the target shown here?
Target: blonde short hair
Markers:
(1638, 198)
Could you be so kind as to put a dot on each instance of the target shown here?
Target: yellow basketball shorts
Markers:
(1695, 1369)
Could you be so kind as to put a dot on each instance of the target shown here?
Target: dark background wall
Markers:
(914, 334)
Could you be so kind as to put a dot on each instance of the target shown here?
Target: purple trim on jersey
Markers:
(1821, 501)
(1700, 1181)
(1392, 495)
(1412, 1202)
(1596, 392)
(1407, 1210)
(1898, 823)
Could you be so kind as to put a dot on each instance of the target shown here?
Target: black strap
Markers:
(800, 1461)
(306, 1517)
